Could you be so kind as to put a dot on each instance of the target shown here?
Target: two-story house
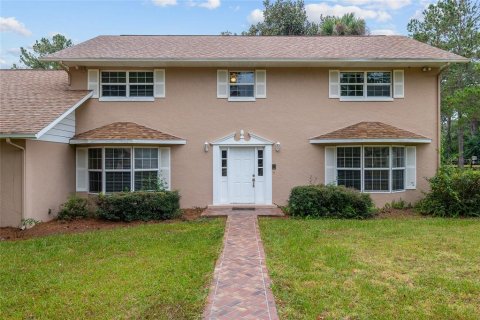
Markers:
(226, 120)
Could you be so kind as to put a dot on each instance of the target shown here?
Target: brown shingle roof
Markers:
(253, 47)
(32, 99)
(369, 131)
(124, 131)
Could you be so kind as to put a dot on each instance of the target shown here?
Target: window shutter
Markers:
(330, 165)
(93, 81)
(334, 84)
(159, 83)
(411, 167)
(260, 84)
(398, 84)
(164, 166)
(82, 170)
(222, 83)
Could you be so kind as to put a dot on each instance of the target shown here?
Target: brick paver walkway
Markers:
(241, 286)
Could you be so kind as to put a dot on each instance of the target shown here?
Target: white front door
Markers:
(242, 175)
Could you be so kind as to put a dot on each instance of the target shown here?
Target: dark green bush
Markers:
(454, 193)
(329, 201)
(75, 207)
(130, 206)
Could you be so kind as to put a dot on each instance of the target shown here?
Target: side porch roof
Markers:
(125, 133)
(369, 132)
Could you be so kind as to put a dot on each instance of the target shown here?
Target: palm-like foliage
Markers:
(348, 24)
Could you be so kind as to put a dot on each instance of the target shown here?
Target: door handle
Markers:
(253, 181)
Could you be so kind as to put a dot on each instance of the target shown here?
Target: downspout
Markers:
(24, 174)
(439, 114)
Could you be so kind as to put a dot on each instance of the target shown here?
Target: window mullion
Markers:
(362, 166)
(104, 176)
(127, 79)
(365, 85)
(132, 169)
(390, 175)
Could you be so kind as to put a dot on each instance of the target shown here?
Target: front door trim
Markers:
(241, 140)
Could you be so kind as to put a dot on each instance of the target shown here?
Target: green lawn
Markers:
(378, 269)
(154, 271)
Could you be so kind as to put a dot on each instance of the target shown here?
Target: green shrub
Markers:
(454, 193)
(75, 207)
(130, 206)
(329, 201)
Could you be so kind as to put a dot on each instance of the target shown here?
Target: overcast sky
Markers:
(23, 22)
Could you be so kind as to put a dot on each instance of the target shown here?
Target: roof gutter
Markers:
(18, 135)
(63, 60)
(371, 140)
(24, 175)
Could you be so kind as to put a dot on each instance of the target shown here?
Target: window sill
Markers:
(366, 99)
(243, 99)
(120, 99)
(383, 192)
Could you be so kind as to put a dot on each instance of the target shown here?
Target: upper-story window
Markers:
(127, 84)
(235, 85)
(368, 84)
(242, 84)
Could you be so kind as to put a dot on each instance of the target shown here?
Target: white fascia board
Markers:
(66, 113)
(334, 141)
(126, 141)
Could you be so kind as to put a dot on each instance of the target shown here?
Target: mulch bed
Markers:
(83, 225)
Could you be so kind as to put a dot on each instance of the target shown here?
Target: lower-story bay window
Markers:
(120, 169)
(372, 168)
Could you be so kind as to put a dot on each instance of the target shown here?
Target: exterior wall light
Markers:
(206, 146)
(425, 69)
(277, 146)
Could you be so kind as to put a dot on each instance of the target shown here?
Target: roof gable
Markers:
(33, 101)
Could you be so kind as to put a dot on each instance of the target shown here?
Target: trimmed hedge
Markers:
(130, 206)
(454, 193)
(329, 201)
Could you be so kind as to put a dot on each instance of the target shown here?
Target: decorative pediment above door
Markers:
(242, 138)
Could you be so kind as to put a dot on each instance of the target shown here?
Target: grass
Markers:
(154, 271)
(378, 269)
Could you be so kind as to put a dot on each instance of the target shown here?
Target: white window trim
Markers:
(389, 168)
(127, 84)
(242, 99)
(132, 169)
(365, 84)
(362, 168)
(352, 169)
(404, 168)
(105, 170)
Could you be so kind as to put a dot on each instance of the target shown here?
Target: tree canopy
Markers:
(289, 18)
(41, 48)
(454, 25)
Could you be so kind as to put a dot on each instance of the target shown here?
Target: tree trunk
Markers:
(474, 126)
(449, 138)
(460, 144)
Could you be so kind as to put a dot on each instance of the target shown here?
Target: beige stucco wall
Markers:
(297, 108)
(11, 183)
(50, 178)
